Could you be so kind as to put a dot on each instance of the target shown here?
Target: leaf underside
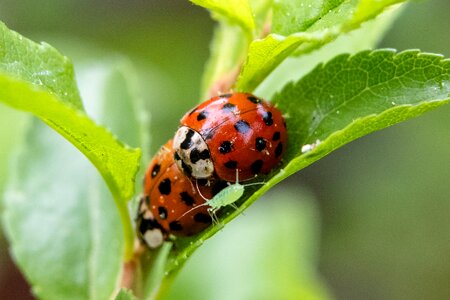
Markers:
(64, 232)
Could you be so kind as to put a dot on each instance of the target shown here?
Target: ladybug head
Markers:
(192, 154)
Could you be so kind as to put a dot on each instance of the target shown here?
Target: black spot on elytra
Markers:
(196, 155)
(162, 212)
(175, 226)
(279, 149)
(231, 164)
(187, 169)
(225, 147)
(202, 218)
(187, 143)
(276, 136)
(226, 95)
(267, 118)
(242, 126)
(165, 186)
(260, 144)
(202, 115)
(254, 99)
(228, 107)
(256, 166)
(155, 170)
(187, 199)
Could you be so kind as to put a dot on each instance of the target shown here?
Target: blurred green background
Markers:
(377, 210)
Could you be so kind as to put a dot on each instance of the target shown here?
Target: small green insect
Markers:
(227, 196)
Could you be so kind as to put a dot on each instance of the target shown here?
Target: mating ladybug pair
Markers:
(226, 138)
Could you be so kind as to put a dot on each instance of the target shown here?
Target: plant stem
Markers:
(166, 284)
(127, 229)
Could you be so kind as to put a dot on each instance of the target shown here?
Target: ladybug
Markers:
(168, 200)
(230, 132)
(149, 231)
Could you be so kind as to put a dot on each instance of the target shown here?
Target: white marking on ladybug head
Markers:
(192, 154)
(153, 238)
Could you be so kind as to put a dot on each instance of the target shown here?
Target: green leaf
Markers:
(63, 225)
(64, 233)
(111, 83)
(234, 11)
(291, 16)
(117, 163)
(266, 54)
(350, 88)
(10, 136)
(363, 38)
(347, 98)
(370, 8)
(125, 294)
(39, 64)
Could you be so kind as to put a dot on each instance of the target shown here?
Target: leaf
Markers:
(347, 98)
(116, 162)
(363, 38)
(111, 84)
(10, 136)
(38, 64)
(65, 235)
(370, 8)
(125, 294)
(350, 88)
(234, 11)
(63, 224)
(291, 16)
(266, 54)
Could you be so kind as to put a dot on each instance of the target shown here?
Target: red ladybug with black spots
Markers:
(168, 199)
(230, 132)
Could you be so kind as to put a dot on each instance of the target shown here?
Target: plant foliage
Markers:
(58, 213)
